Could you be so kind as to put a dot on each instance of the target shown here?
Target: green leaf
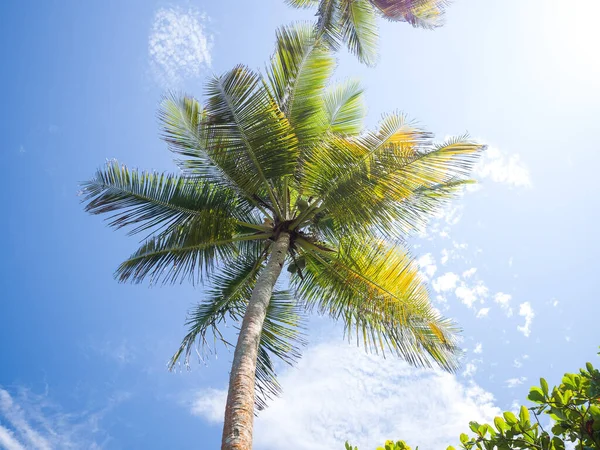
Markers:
(544, 385)
(510, 418)
(524, 416)
(500, 425)
(536, 395)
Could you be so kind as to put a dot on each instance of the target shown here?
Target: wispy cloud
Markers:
(483, 312)
(339, 393)
(478, 348)
(32, 421)
(446, 282)
(179, 45)
(526, 310)
(427, 266)
(504, 301)
(502, 168)
(514, 382)
(468, 295)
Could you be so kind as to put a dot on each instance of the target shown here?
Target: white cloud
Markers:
(478, 348)
(555, 303)
(445, 256)
(446, 282)
(518, 364)
(120, 351)
(30, 421)
(8, 440)
(483, 312)
(526, 311)
(210, 404)
(340, 393)
(179, 45)
(427, 265)
(502, 168)
(469, 295)
(470, 370)
(504, 301)
(469, 273)
(514, 382)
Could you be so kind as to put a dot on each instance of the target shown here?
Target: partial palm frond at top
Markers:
(419, 13)
(354, 22)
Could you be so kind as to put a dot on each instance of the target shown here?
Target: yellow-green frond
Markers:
(155, 201)
(358, 24)
(376, 290)
(345, 108)
(299, 71)
(189, 251)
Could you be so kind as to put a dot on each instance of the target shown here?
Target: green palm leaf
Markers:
(345, 108)
(358, 27)
(376, 290)
(156, 201)
(302, 3)
(229, 292)
(248, 133)
(184, 129)
(226, 299)
(282, 337)
(365, 183)
(298, 74)
(189, 251)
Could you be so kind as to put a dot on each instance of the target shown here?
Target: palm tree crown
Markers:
(286, 154)
(354, 22)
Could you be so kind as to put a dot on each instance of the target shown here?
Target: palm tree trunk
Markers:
(239, 411)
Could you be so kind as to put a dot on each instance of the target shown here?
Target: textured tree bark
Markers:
(239, 411)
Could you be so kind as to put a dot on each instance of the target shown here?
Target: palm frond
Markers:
(372, 180)
(328, 23)
(248, 134)
(334, 164)
(227, 299)
(190, 250)
(299, 71)
(376, 290)
(302, 3)
(184, 129)
(419, 13)
(282, 337)
(358, 28)
(155, 201)
(230, 289)
(345, 108)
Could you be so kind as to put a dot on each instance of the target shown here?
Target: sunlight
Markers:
(571, 37)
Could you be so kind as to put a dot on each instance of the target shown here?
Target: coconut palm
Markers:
(278, 171)
(354, 22)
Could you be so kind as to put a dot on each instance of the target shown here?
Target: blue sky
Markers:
(514, 262)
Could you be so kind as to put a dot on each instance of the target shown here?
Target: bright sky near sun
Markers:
(514, 261)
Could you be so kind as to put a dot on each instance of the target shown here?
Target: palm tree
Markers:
(277, 170)
(354, 22)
